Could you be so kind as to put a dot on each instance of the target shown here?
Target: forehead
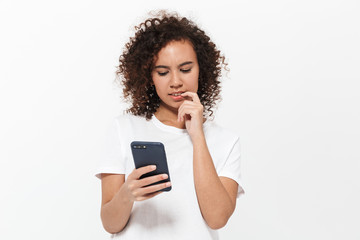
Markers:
(176, 52)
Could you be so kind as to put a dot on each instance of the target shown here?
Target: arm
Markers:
(216, 195)
(116, 205)
(118, 195)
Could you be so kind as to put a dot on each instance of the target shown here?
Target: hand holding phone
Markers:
(151, 153)
(142, 189)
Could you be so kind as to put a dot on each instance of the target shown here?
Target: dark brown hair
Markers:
(137, 62)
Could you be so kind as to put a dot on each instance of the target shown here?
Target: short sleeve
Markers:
(111, 158)
(232, 168)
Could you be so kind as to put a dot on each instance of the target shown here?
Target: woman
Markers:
(170, 72)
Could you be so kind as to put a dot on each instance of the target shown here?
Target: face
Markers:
(176, 70)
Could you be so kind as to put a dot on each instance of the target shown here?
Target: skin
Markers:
(176, 69)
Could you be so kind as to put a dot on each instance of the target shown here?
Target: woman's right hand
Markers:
(135, 187)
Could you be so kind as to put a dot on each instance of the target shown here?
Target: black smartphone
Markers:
(151, 153)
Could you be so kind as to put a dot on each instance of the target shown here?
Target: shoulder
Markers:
(128, 124)
(220, 133)
(129, 119)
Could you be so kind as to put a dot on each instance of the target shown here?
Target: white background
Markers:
(292, 94)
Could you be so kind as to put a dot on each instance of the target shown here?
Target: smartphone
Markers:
(151, 153)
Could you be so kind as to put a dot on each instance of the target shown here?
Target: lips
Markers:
(176, 93)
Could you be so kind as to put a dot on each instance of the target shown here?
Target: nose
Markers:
(175, 81)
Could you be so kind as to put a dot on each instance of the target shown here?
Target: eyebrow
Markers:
(182, 64)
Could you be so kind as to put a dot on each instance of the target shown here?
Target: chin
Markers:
(172, 105)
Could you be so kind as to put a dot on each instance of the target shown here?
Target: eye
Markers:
(185, 70)
(162, 73)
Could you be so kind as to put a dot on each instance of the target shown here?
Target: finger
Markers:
(137, 173)
(153, 179)
(186, 105)
(181, 113)
(189, 110)
(154, 188)
(192, 95)
(180, 110)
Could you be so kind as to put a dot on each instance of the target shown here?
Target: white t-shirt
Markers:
(175, 214)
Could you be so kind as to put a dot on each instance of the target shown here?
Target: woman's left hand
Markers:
(192, 112)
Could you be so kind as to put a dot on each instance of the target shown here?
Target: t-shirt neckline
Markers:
(171, 129)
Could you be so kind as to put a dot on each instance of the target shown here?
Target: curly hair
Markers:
(137, 62)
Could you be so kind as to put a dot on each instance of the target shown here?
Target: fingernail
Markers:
(168, 184)
(153, 167)
(165, 176)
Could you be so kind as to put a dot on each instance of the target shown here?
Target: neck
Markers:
(169, 116)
